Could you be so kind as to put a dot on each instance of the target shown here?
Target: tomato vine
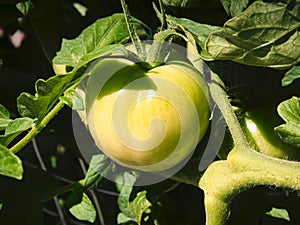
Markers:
(241, 37)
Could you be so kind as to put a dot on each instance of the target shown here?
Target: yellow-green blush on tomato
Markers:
(138, 116)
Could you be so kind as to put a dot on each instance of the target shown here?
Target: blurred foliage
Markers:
(42, 31)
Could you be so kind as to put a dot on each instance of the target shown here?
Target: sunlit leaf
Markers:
(80, 8)
(84, 209)
(132, 210)
(14, 128)
(123, 200)
(4, 117)
(279, 213)
(73, 100)
(291, 75)
(265, 34)
(289, 111)
(10, 164)
(24, 7)
(47, 93)
(98, 166)
(233, 7)
(198, 30)
(98, 39)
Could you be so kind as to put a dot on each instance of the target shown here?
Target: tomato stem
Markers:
(219, 95)
(132, 32)
(37, 128)
(163, 15)
(244, 168)
(159, 48)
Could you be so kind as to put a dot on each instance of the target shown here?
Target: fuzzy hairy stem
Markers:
(37, 128)
(244, 168)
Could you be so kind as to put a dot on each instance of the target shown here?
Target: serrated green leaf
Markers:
(132, 210)
(19, 125)
(73, 100)
(47, 93)
(265, 34)
(122, 218)
(99, 165)
(289, 111)
(233, 7)
(84, 210)
(10, 164)
(123, 200)
(291, 75)
(24, 7)
(139, 205)
(4, 113)
(96, 40)
(4, 117)
(198, 30)
(279, 213)
(14, 128)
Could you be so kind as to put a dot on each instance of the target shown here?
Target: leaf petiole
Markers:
(37, 128)
(132, 32)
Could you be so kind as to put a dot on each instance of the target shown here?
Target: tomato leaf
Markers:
(291, 75)
(198, 30)
(279, 213)
(123, 200)
(289, 111)
(4, 117)
(47, 93)
(233, 7)
(10, 164)
(14, 128)
(138, 207)
(24, 7)
(73, 100)
(265, 34)
(83, 208)
(132, 210)
(96, 40)
(99, 165)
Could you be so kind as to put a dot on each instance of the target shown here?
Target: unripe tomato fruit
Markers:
(149, 120)
(259, 127)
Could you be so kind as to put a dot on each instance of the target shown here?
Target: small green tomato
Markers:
(259, 126)
(149, 120)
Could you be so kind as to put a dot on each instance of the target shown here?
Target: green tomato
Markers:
(259, 126)
(149, 120)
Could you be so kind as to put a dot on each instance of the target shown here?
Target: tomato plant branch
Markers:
(223, 180)
(61, 190)
(132, 32)
(37, 128)
(163, 15)
(219, 95)
(244, 168)
(158, 51)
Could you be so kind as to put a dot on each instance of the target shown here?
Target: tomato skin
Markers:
(111, 100)
(259, 127)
